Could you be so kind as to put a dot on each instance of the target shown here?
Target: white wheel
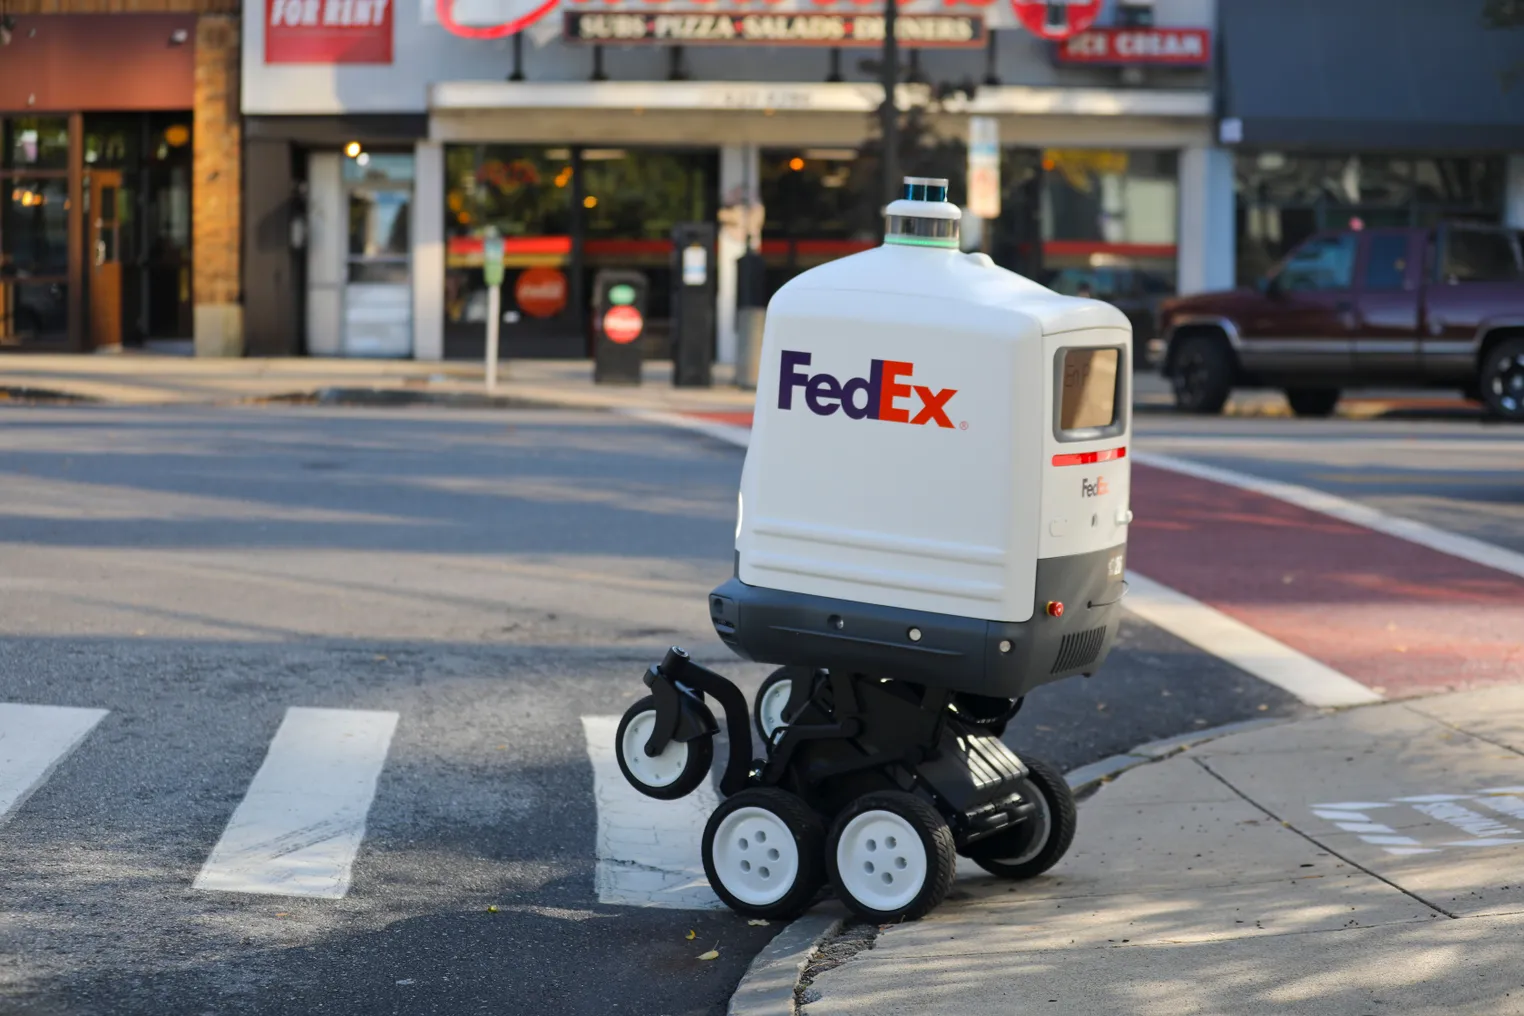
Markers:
(881, 860)
(663, 770)
(755, 856)
(771, 704)
(674, 773)
(762, 853)
(892, 856)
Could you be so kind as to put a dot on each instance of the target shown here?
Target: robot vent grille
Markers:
(1079, 648)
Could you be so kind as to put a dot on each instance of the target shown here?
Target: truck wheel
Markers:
(1202, 375)
(1503, 380)
(1312, 401)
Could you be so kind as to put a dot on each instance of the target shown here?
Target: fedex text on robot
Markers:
(863, 398)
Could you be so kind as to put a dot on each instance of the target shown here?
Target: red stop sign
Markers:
(1057, 19)
(622, 324)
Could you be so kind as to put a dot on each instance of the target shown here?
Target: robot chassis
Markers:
(870, 783)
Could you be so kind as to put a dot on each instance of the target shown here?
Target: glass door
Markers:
(34, 232)
(378, 290)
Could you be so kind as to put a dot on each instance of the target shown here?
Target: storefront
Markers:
(586, 136)
(100, 133)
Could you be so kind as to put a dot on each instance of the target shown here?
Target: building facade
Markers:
(379, 155)
(120, 190)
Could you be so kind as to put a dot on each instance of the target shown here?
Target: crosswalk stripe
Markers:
(33, 741)
(297, 830)
(648, 850)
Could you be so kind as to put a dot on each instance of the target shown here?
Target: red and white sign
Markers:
(1057, 19)
(328, 31)
(623, 324)
(1179, 47)
(540, 292)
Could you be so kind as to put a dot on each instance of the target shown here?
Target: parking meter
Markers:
(693, 300)
(751, 314)
(619, 321)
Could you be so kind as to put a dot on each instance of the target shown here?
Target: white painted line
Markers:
(1412, 850)
(648, 850)
(1341, 816)
(1364, 827)
(1355, 805)
(1454, 544)
(1489, 842)
(1208, 629)
(1404, 841)
(297, 830)
(726, 432)
(33, 741)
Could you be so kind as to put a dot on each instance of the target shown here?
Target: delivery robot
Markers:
(932, 522)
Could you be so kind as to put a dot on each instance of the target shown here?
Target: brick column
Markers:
(215, 191)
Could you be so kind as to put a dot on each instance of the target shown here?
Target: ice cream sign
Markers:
(763, 22)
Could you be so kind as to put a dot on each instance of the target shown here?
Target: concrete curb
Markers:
(768, 986)
(767, 989)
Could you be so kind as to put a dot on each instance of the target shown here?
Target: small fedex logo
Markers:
(863, 398)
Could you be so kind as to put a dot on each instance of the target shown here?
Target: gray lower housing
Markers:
(960, 653)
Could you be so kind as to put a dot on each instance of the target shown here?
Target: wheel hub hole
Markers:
(746, 866)
(868, 867)
(743, 844)
(888, 878)
(764, 872)
(890, 842)
(900, 863)
(772, 853)
(872, 845)
(761, 836)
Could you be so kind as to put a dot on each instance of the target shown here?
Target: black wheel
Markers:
(769, 709)
(681, 766)
(1502, 380)
(1312, 401)
(1037, 844)
(763, 853)
(891, 857)
(1202, 375)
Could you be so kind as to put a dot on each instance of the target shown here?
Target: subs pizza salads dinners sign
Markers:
(769, 22)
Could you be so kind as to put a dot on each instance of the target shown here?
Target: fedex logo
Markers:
(863, 398)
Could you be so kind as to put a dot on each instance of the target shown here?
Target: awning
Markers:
(1350, 75)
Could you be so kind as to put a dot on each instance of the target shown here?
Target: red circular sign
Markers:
(1057, 19)
(623, 324)
(540, 292)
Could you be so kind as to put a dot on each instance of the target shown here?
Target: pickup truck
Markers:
(1441, 307)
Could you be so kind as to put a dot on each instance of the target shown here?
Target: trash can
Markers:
(693, 299)
(619, 319)
(751, 313)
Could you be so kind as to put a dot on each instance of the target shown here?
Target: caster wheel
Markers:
(891, 857)
(772, 700)
(1037, 844)
(762, 852)
(674, 773)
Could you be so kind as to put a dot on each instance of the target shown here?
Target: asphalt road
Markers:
(491, 578)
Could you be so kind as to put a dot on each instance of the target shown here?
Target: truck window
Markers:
(1476, 255)
(1320, 264)
(1088, 399)
(1386, 265)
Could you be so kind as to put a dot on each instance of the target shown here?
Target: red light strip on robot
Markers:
(1090, 458)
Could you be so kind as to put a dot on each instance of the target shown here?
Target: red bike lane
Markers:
(1396, 616)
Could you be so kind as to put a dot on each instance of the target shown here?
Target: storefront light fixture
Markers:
(352, 149)
(589, 202)
(796, 164)
(363, 159)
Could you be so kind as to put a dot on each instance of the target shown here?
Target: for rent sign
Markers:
(328, 31)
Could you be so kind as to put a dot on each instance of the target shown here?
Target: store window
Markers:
(1283, 198)
(525, 194)
(34, 230)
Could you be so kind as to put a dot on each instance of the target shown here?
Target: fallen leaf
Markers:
(691, 935)
(712, 954)
(379, 656)
(491, 908)
(757, 922)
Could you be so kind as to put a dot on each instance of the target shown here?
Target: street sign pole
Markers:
(492, 274)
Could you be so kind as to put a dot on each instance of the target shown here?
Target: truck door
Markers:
(1386, 304)
(1304, 324)
(1478, 277)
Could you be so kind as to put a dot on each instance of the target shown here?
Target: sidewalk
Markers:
(136, 378)
(1363, 862)
(149, 379)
